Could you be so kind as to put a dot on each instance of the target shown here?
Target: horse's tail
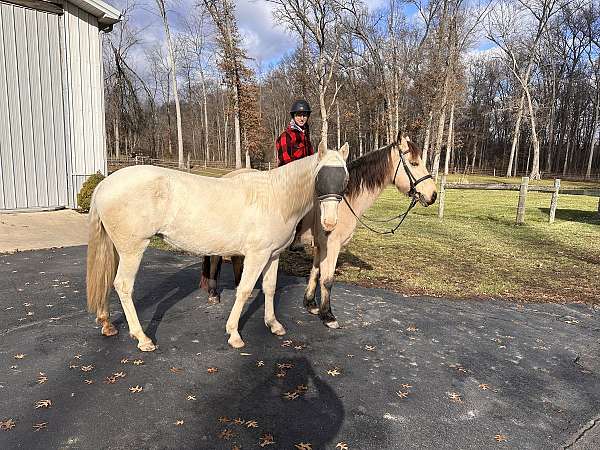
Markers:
(102, 262)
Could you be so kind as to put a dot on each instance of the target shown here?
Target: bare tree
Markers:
(171, 55)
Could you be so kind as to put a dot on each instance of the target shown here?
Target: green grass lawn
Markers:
(477, 251)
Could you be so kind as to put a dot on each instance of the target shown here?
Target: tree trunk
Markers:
(450, 140)
(171, 54)
(517, 131)
(205, 104)
(593, 140)
(438, 144)
(117, 140)
(427, 137)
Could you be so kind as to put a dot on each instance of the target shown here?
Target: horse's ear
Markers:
(403, 143)
(345, 151)
(322, 149)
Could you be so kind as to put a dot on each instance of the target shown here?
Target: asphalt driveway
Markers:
(401, 373)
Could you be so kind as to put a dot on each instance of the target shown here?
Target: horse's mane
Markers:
(280, 190)
(372, 170)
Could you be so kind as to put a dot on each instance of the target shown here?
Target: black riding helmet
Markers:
(300, 106)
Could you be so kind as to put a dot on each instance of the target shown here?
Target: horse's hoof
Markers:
(314, 310)
(214, 299)
(334, 325)
(278, 331)
(236, 342)
(109, 330)
(146, 346)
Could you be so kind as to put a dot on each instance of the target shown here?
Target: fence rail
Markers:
(523, 189)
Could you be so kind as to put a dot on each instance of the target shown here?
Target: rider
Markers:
(294, 143)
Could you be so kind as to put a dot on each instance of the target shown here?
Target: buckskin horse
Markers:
(397, 164)
(254, 215)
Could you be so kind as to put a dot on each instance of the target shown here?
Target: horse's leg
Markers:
(206, 266)
(238, 266)
(269, 283)
(253, 266)
(328, 264)
(129, 264)
(309, 294)
(215, 270)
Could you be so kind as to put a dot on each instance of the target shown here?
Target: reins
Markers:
(411, 193)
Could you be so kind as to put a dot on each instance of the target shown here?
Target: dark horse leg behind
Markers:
(211, 269)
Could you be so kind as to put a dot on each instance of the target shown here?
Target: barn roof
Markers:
(106, 14)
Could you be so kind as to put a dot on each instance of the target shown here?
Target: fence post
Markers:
(494, 172)
(598, 206)
(442, 198)
(554, 200)
(522, 198)
(269, 165)
(188, 162)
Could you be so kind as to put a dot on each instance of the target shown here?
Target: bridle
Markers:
(412, 193)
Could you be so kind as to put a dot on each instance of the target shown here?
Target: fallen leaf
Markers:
(402, 394)
(406, 386)
(20, 355)
(226, 434)
(342, 446)
(334, 372)
(43, 404)
(124, 361)
(291, 395)
(191, 397)
(251, 424)
(238, 421)
(88, 381)
(39, 426)
(260, 363)
(42, 378)
(179, 422)
(303, 446)
(266, 439)
(119, 374)
(484, 386)
(212, 370)
(455, 397)
(138, 362)
(176, 369)
(224, 419)
(412, 328)
(500, 438)
(87, 368)
(7, 424)
(136, 389)
(370, 348)
(280, 374)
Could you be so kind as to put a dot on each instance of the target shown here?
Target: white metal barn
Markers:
(52, 134)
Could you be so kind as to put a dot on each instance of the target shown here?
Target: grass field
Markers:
(477, 251)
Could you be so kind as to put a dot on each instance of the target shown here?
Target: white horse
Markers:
(254, 215)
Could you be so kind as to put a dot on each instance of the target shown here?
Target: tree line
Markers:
(529, 103)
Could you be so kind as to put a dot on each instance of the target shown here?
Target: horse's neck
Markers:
(365, 199)
(293, 187)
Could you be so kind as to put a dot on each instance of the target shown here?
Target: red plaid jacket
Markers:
(293, 144)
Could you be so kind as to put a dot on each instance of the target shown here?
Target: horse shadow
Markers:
(162, 295)
(296, 407)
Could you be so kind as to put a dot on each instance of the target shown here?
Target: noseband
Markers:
(411, 178)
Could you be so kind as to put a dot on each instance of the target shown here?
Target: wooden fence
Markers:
(523, 189)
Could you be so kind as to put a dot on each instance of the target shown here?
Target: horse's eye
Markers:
(414, 163)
